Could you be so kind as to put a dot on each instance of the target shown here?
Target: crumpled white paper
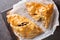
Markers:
(20, 8)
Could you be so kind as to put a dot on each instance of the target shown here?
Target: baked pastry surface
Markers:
(40, 12)
(23, 26)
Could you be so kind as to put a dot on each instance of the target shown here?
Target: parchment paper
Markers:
(20, 8)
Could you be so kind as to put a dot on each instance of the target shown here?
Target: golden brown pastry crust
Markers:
(41, 12)
(23, 26)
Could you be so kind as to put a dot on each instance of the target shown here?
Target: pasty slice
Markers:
(23, 26)
(40, 12)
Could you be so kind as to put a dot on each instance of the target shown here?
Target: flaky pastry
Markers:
(23, 26)
(40, 12)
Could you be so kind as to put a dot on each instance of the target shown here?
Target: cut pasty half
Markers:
(23, 26)
(40, 12)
